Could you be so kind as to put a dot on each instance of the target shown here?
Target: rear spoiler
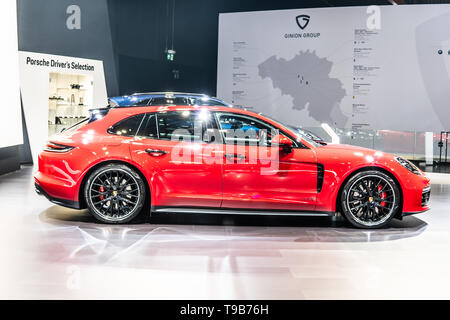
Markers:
(98, 113)
(112, 103)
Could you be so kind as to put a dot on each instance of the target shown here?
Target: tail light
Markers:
(55, 147)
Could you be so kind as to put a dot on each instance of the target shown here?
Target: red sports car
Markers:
(216, 159)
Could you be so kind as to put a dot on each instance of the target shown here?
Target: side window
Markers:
(148, 128)
(245, 130)
(186, 126)
(127, 127)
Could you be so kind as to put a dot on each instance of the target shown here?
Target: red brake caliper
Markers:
(382, 196)
(102, 190)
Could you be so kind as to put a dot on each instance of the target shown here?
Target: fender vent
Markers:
(320, 176)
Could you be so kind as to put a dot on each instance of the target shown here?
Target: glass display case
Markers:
(70, 98)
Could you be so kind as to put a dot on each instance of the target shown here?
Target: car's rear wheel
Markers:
(370, 199)
(115, 193)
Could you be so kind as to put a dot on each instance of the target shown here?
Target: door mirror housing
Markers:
(284, 143)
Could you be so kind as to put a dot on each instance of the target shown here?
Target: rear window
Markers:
(128, 126)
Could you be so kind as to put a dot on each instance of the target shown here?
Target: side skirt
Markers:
(160, 209)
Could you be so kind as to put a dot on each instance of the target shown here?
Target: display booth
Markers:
(57, 92)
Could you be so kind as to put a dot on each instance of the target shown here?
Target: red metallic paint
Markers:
(226, 185)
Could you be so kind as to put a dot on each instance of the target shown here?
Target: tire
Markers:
(370, 199)
(115, 193)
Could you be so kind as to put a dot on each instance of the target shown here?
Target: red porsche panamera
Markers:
(216, 159)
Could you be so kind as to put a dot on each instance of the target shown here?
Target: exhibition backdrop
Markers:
(381, 67)
(130, 38)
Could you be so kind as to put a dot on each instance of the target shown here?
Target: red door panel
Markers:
(287, 184)
(177, 173)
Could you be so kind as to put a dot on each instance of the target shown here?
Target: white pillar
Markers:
(334, 137)
(429, 148)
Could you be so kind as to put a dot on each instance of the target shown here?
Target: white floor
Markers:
(47, 252)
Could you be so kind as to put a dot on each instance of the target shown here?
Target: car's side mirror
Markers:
(284, 143)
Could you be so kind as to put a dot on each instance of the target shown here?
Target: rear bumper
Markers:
(62, 202)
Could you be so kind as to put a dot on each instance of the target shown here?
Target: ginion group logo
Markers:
(302, 20)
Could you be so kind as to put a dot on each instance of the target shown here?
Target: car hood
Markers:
(334, 146)
(355, 154)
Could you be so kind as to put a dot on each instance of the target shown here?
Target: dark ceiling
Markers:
(141, 29)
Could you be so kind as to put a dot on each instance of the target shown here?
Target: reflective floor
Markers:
(47, 252)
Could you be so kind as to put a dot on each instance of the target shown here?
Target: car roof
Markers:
(169, 94)
(145, 109)
(126, 100)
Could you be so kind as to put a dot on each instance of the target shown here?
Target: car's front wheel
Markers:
(114, 193)
(370, 199)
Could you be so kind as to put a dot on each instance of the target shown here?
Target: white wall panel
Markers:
(385, 67)
(10, 117)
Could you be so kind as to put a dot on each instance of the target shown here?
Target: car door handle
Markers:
(155, 152)
(239, 156)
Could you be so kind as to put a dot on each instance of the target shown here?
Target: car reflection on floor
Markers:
(53, 252)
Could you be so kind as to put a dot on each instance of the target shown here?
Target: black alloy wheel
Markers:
(115, 193)
(370, 199)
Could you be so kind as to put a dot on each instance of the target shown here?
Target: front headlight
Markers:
(408, 165)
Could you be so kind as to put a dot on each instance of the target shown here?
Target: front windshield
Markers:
(305, 135)
(300, 133)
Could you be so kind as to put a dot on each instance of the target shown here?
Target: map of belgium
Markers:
(306, 78)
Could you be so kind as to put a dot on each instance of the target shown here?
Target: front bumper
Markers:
(425, 200)
(426, 192)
